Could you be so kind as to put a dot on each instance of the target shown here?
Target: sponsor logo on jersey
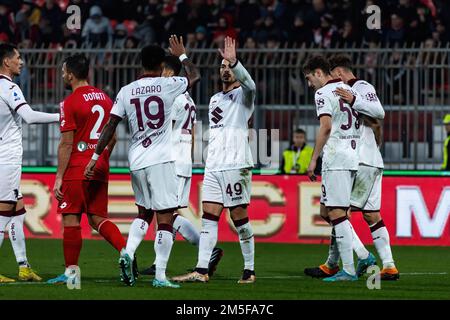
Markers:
(216, 115)
(16, 96)
(82, 146)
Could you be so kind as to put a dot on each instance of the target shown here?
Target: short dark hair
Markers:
(6, 51)
(316, 62)
(152, 57)
(78, 65)
(300, 131)
(173, 63)
(340, 60)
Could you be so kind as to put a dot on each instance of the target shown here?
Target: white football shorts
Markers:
(337, 188)
(184, 188)
(366, 192)
(10, 182)
(155, 187)
(229, 188)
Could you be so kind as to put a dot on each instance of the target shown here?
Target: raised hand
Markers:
(176, 46)
(345, 95)
(229, 50)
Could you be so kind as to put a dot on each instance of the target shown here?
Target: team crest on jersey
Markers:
(82, 146)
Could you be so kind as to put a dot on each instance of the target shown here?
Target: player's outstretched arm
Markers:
(107, 134)
(248, 85)
(321, 139)
(376, 127)
(30, 116)
(177, 49)
(365, 102)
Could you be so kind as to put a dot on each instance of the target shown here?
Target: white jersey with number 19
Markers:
(147, 104)
(340, 151)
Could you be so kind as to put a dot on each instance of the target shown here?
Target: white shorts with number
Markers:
(366, 192)
(10, 182)
(337, 188)
(184, 188)
(155, 187)
(230, 188)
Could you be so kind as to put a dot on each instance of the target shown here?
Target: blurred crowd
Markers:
(204, 23)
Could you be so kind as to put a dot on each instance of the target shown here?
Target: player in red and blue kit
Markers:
(84, 113)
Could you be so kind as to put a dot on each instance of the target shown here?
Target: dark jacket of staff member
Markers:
(446, 162)
(297, 157)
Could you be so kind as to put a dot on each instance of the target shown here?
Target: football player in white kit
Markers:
(227, 180)
(338, 137)
(183, 120)
(147, 103)
(366, 193)
(14, 108)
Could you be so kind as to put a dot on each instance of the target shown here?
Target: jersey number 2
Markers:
(95, 132)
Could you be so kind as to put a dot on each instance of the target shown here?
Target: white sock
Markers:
(247, 242)
(17, 238)
(3, 223)
(138, 230)
(382, 243)
(344, 240)
(163, 246)
(208, 240)
(186, 229)
(333, 252)
(358, 246)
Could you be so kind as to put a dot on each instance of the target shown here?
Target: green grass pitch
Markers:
(425, 274)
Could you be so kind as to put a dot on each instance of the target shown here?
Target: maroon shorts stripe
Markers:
(213, 202)
(19, 212)
(342, 208)
(165, 227)
(8, 213)
(8, 202)
(380, 224)
(170, 210)
(209, 216)
(335, 222)
(241, 222)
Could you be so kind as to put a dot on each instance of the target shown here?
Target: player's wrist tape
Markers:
(95, 156)
(183, 57)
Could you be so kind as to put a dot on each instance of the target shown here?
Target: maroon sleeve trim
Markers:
(188, 85)
(20, 105)
(353, 101)
(112, 115)
(235, 64)
(324, 114)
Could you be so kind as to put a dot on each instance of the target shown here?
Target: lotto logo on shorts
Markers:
(63, 205)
